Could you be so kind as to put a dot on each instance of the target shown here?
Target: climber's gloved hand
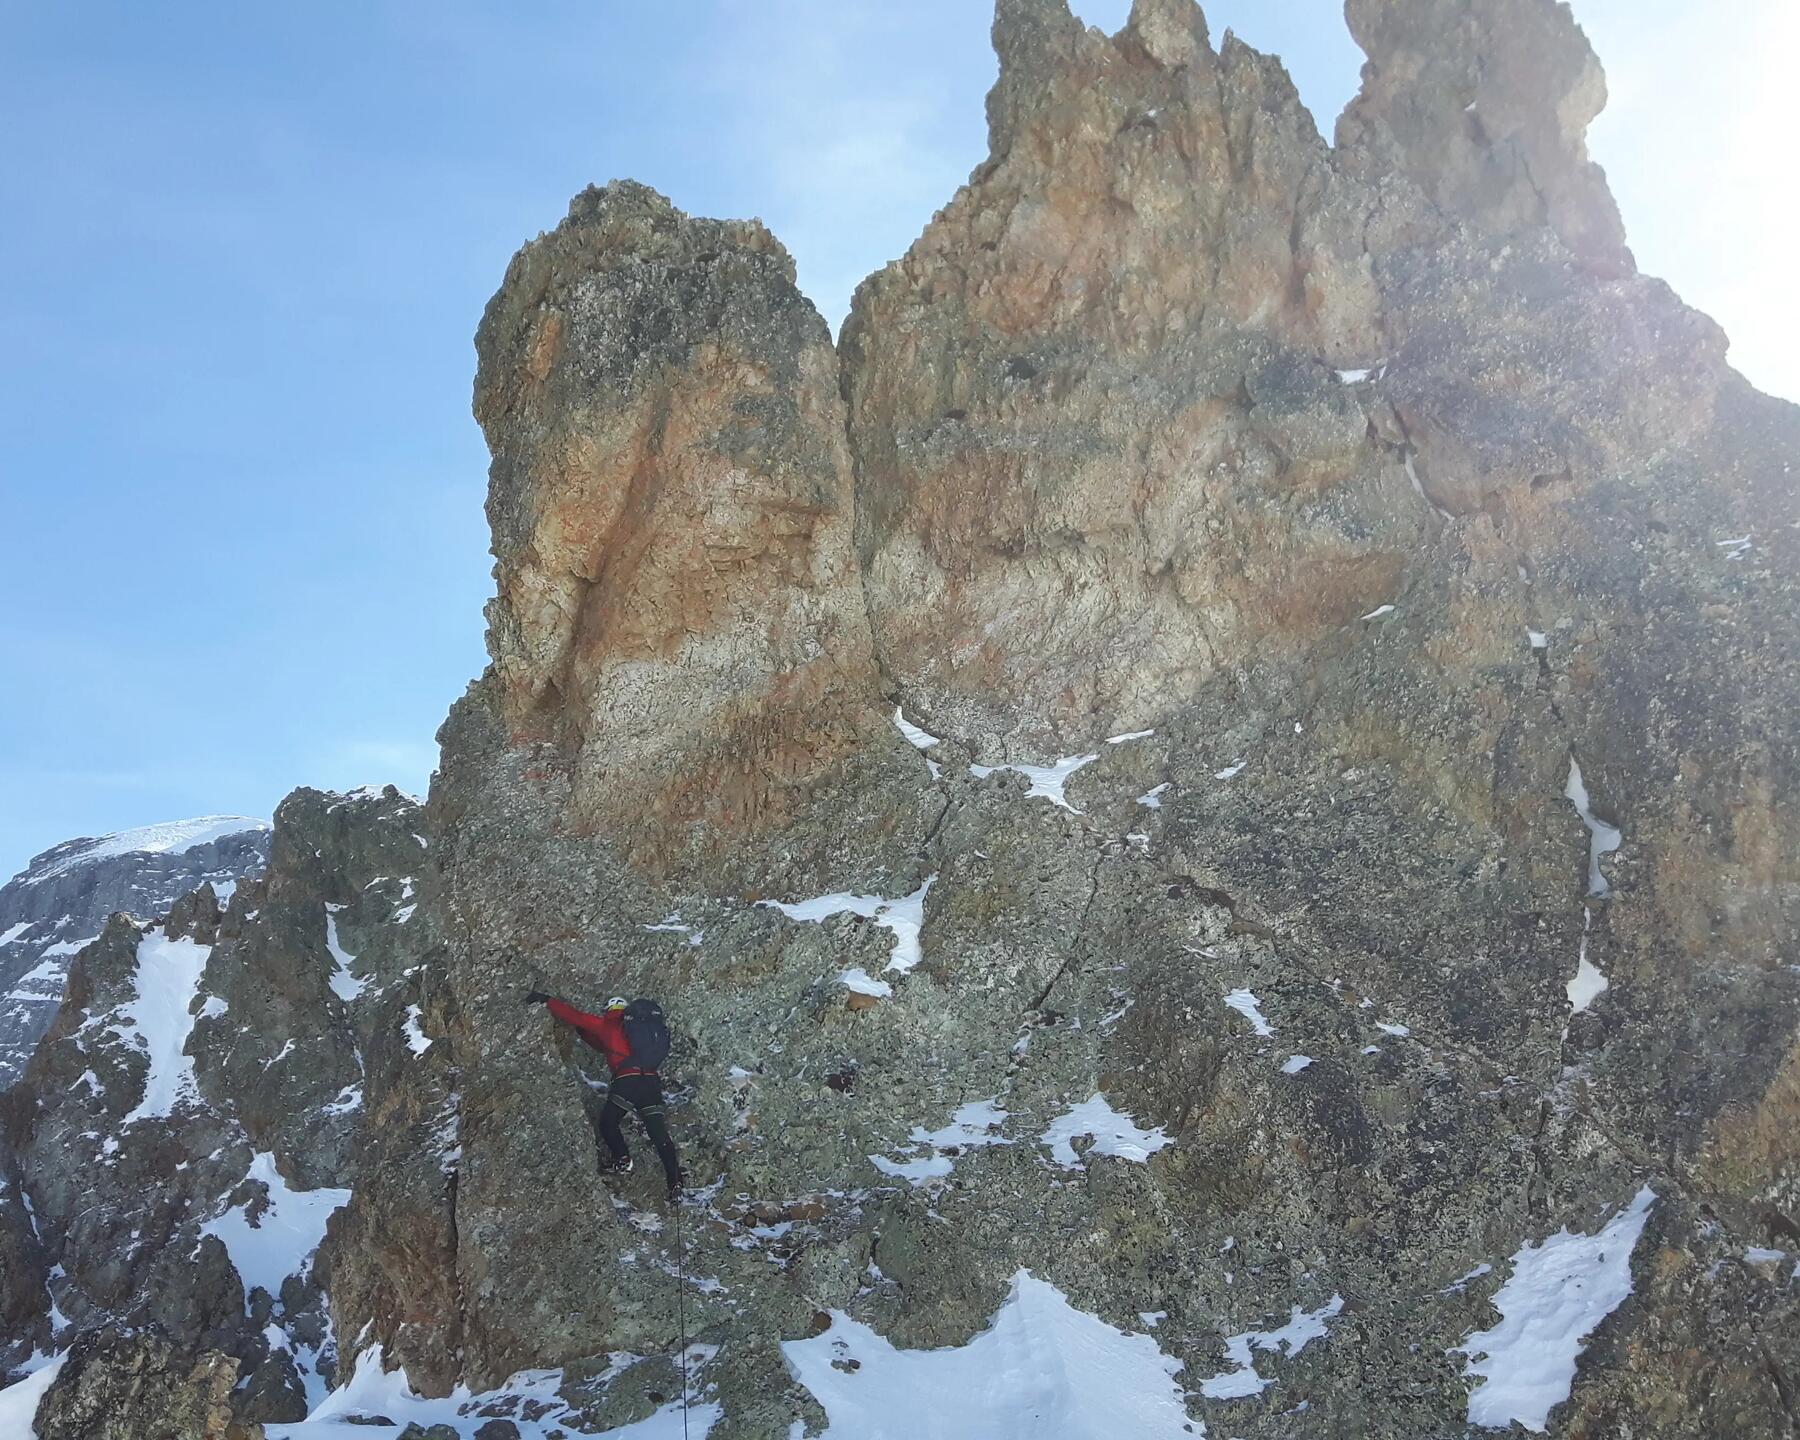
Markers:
(536, 997)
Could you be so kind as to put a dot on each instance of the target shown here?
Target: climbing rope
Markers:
(681, 1314)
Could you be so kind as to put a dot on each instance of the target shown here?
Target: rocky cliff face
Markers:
(190, 1122)
(678, 611)
(61, 901)
(1220, 779)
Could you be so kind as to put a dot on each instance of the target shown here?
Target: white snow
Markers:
(1047, 781)
(1113, 1134)
(45, 972)
(1303, 1327)
(1604, 838)
(1400, 1031)
(1539, 640)
(1294, 1064)
(1588, 984)
(1761, 1255)
(16, 931)
(971, 1126)
(1379, 611)
(904, 917)
(1152, 799)
(168, 976)
(1042, 1371)
(282, 1238)
(1462, 1282)
(1230, 771)
(673, 924)
(416, 1039)
(1133, 735)
(19, 1401)
(172, 837)
(212, 1009)
(1418, 486)
(1559, 1292)
(926, 1167)
(375, 1391)
(344, 984)
(862, 982)
(62, 949)
(915, 736)
(919, 740)
(1353, 377)
(1244, 1002)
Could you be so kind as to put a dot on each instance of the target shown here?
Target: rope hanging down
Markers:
(681, 1314)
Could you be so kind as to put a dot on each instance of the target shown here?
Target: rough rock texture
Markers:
(1403, 590)
(670, 500)
(199, 1094)
(115, 1387)
(61, 900)
(1485, 108)
(1380, 487)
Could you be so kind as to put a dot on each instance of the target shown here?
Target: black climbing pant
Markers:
(641, 1094)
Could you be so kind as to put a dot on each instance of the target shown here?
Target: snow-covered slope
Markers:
(169, 837)
(61, 900)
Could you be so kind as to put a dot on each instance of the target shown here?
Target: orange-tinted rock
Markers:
(678, 609)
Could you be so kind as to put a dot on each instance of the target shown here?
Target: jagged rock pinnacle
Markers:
(1228, 755)
(677, 607)
(1486, 108)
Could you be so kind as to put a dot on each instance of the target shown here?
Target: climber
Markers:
(635, 1041)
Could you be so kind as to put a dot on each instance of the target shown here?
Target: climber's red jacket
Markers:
(606, 1033)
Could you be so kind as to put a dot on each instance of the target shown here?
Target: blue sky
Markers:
(246, 247)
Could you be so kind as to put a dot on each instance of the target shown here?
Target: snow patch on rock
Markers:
(1047, 781)
(19, 1401)
(1244, 1002)
(1604, 838)
(168, 978)
(1042, 1371)
(1588, 983)
(1303, 1327)
(1113, 1134)
(171, 837)
(971, 1126)
(904, 917)
(281, 1238)
(417, 1040)
(1559, 1292)
(373, 1390)
(344, 984)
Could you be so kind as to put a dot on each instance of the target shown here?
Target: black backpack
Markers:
(647, 1033)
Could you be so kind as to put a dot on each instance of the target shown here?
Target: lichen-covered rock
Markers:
(1100, 448)
(140, 1387)
(1378, 491)
(1356, 865)
(24, 1270)
(1485, 107)
(677, 604)
(192, 1117)
(60, 902)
